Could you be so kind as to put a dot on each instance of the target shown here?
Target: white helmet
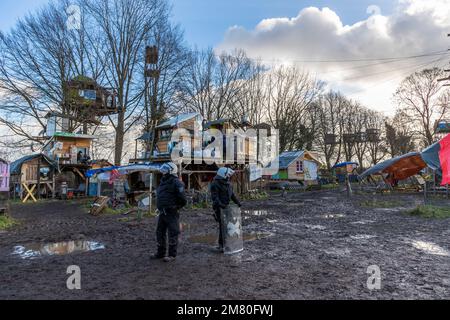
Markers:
(170, 168)
(225, 172)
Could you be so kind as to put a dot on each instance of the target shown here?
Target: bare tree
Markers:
(376, 148)
(331, 107)
(213, 85)
(399, 135)
(36, 61)
(125, 25)
(424, 101)
(290, 92)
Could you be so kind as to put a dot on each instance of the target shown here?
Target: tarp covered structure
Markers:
(345, 164)
(122, 170)
(436, 157)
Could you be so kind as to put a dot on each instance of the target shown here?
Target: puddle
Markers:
(187, 227)
(212, 238)
(315, 227)
(257, 213)
(363, 222)
(338, 252)
(362, 237)
(54, 249)
(430, 248)
(272, 221)
(334, 216)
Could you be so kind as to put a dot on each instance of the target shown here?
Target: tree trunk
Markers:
(120, 132)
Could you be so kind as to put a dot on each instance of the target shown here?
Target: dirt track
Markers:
(319, 247)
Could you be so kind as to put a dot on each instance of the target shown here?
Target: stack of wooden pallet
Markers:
(99, 205)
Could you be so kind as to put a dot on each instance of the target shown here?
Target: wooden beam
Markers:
(29, 193)
(80, 174)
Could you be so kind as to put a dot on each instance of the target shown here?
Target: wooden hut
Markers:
(33, 176)
(298, 166)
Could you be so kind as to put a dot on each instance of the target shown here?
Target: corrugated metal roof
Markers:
(177, 119)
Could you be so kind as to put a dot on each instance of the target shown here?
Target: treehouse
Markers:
(198, 149)
(69, 149)
(87, 100)
(244, 144)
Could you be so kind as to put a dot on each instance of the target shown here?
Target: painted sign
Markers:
(255, 172)
(4, 177)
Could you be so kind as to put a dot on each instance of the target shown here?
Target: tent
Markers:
(344, 169)
(436, 157)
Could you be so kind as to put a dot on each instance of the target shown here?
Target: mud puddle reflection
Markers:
(36, 250)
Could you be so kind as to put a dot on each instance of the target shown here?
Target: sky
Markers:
(323, 37)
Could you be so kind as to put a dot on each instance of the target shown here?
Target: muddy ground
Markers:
(314, 245)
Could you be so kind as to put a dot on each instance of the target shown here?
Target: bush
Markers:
(380, 204)
(7, 222)
(428, 211)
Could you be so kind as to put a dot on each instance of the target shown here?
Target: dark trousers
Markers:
(218, 217)
(168, 222)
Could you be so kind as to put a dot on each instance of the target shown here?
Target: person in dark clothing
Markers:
(79, 156)
(222, 194)
(170, 198)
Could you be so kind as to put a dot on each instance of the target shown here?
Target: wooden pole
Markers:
(425, 193)
(54, 183)
(150, 196)
(39, 179)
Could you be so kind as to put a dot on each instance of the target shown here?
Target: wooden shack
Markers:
(32, 177)
(244, 146)
(197, 144)
(71, 154)
(298, 166)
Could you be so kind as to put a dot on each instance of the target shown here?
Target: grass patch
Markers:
(200, 205)
(7, 222)
(256, 196)
(329, 186)
(111, 211)
(381, 204)
(428, 211)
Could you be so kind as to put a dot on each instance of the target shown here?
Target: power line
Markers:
(367, 65)
(417, 67)
(436, 53)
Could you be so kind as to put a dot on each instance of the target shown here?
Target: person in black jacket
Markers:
(222, 194)
(170, 198)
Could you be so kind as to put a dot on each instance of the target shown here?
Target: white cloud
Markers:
(415, 27)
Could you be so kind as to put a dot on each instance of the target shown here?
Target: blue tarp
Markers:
(344, 164)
